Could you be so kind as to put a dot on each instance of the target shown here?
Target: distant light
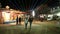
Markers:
(6, 16)
(58, 14)
(11, 9)
(7, 7)
(33, 13)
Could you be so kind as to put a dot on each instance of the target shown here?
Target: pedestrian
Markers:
(26, 21)
(17, 20)
(20, 20)
(41, 17)
(30, 21)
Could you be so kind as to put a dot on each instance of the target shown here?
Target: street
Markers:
(37, 28)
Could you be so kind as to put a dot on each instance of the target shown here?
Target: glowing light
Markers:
(33, 13)
(7, 7)
(58, 14)
(6, 16)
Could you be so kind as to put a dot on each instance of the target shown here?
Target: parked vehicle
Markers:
(50, 17)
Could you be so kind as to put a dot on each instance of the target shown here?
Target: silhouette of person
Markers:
(30, 21)
(20, 20)
(17, 20)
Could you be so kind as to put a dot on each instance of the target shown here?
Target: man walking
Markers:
(20, 20)
(17, 20)
(26, 21)
(30, 21)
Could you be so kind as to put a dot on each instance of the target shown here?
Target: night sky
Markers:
(28, 4)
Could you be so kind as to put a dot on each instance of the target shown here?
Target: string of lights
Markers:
(27, 4)
(35, 4)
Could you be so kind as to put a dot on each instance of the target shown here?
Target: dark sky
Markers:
(28, 4)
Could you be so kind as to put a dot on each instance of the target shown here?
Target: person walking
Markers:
(41, 17)
(20, 20)
(17, 20)
(30, 21)
(26, 21)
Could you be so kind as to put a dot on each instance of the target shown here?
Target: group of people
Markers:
(28, 18)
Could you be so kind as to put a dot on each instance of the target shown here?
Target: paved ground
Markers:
(46, 27)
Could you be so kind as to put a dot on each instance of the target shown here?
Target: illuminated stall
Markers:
(10, 14)
(6, 16)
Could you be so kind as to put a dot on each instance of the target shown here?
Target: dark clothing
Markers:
(17, 21)
(26, 25)
(20, 20)
(42, 19)
(30, 21)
